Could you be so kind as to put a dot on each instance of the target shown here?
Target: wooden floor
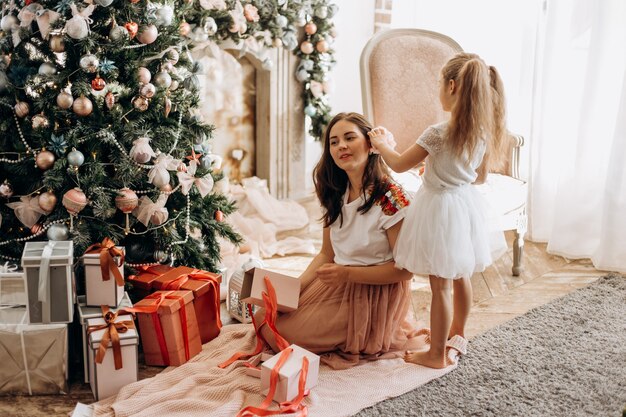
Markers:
(498, 297)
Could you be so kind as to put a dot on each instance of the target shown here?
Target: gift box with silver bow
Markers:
(49, 279)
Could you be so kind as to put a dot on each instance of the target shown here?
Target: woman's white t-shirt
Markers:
(362, 238)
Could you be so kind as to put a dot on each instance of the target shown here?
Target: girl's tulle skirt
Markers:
(449, 234)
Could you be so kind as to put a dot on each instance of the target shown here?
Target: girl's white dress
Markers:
(446, 232)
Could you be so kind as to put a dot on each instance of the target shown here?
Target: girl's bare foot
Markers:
(426, 359)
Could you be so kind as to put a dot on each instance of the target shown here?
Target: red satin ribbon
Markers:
(108, 251)
(111, 335)
(285, 407)
(271, 312)
(159, 298)
(199, 275)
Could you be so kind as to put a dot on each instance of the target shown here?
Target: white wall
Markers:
(354, 22)
(355, 25)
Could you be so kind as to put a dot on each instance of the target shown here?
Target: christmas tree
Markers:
(99, 137)
(98, 134)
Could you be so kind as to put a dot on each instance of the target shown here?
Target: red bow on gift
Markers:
(108, 252)
(111, 335)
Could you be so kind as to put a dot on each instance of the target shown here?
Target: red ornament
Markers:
(98, 83)
(36, 228)
(219, 215)
(132, 29)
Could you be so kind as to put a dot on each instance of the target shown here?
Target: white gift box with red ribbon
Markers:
(289, 374)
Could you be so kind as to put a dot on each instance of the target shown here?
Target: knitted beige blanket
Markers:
(199, 388)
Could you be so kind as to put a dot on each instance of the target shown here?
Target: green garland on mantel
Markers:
(302, 26)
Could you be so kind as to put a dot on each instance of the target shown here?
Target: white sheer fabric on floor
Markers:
(578, 140)
(269, 226)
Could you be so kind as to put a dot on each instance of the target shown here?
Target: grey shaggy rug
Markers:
(565, 358)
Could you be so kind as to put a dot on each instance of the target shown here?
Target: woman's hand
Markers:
(332, 274)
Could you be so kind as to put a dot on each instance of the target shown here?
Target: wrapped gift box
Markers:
(289, 374)
(85, 312)
(168, 328)
(105, 379)
(12, 286)
(145, 277)
(49, 278)
(33, 358)
(108, 289)
(206, 296)
(253, 368)
(287, 288)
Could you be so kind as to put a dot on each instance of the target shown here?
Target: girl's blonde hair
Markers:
(479, 111)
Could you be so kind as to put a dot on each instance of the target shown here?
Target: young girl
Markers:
(446, 236)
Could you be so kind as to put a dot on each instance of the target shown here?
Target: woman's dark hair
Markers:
(331, 182)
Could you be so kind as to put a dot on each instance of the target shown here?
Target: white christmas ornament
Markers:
(8, 23)
(159, 175)
(164, 16)
(141, 151)
(213, 4)
(78, 26)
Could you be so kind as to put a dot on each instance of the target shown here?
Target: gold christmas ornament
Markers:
(322, 46)
(167, 106)
(65, 100)
(47, 201)
(310, 28)
(140, 103)
(143, 75)
(166, 188)
(82, 106)
(21, 109)
(184, 29)
(306, 47)
(36, 228)
(40, 121)
(126, 201)
(89, 63)
(148, 34)
(147, 90)
(44, 160)
(109, 100)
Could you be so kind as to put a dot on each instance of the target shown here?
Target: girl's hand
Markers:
(380, 137)
(332, 274)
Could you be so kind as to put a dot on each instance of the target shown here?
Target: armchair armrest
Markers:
(511, 160)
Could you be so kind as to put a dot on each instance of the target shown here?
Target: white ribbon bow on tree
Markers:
(146, 209)
(187, 179)
(45, 18)
(78, 26)
(163, 163)
(27, 210)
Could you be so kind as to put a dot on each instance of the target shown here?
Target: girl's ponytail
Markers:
(472, 114)
(498, 141)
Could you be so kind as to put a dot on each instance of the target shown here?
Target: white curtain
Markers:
(577, 200)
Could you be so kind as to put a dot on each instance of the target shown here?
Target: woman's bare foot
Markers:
(426, 359)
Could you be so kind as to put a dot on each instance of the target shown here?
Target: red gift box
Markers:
(146, 275)
(206, 291)
(168, 327)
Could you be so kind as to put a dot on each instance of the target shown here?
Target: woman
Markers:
(353, 302)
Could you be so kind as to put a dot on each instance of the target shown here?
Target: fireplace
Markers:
(257, 111)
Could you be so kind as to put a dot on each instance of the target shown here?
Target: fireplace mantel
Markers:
(280, 123)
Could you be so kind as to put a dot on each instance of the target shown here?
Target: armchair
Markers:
(399, 71)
